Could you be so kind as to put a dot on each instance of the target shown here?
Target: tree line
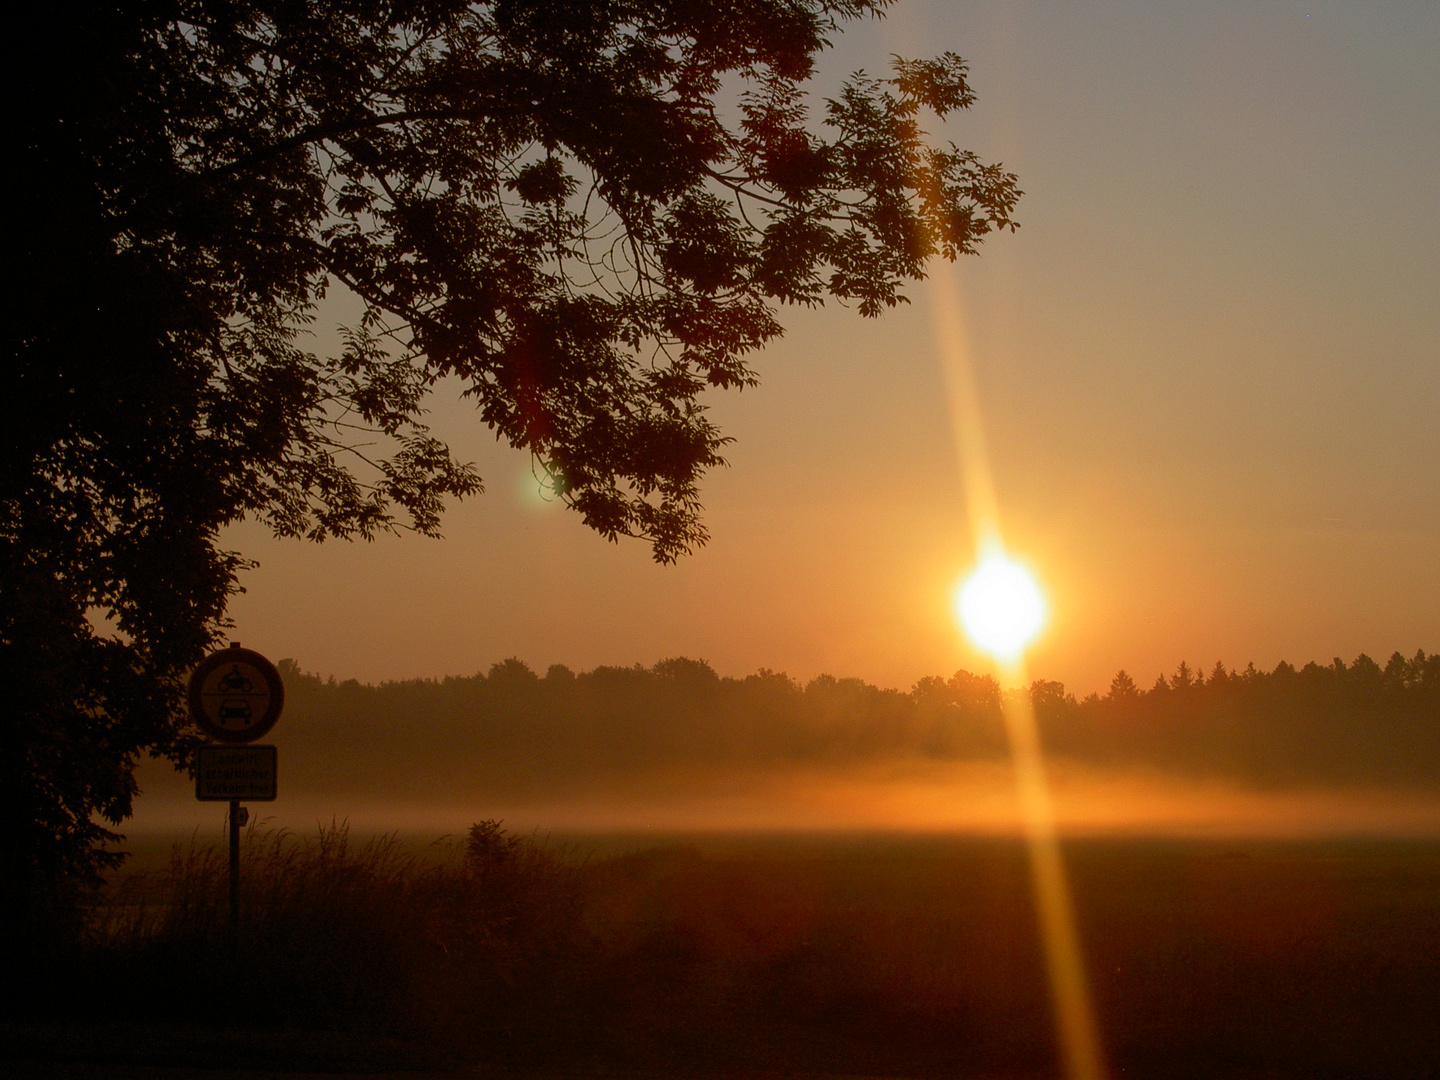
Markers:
(513, 729)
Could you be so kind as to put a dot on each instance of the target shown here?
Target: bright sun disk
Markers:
(1000, 607)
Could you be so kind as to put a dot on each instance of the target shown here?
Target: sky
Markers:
(1207, 368)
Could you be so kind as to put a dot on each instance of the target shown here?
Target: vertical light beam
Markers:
(967, 423)
(1064, 959)
(1075, 1023)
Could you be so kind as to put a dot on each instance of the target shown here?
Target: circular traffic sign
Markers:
(236, 695)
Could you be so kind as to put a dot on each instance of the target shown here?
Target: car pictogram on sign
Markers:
(235, 695)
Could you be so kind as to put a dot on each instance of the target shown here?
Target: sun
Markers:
(1000, 607)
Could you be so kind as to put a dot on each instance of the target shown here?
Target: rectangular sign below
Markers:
(235, 772)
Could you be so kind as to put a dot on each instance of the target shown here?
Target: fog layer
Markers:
(1323, 748)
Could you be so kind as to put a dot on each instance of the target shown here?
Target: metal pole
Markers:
(234, 877)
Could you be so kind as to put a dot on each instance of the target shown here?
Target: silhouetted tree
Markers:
(584, 212)
(1123, 688)
(551, 736)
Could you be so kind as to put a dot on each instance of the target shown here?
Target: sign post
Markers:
(233, 936)
(235, 696)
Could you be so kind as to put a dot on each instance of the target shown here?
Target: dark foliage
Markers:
(514, 732)
(1355, 724)
(584, 212)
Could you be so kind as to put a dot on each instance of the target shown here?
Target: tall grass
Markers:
(876, 958)
(498, 948)
(443, 943)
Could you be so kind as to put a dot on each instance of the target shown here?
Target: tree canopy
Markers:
(585, 211)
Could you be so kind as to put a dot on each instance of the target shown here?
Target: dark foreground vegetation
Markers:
(879, 956)
(514, 731)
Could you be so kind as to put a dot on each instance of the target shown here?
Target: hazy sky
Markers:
(1208, 362)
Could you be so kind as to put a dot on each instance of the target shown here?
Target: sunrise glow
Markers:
(1001, 607)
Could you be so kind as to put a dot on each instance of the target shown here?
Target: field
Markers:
(727, 955)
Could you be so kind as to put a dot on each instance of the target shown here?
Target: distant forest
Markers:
(514, 729)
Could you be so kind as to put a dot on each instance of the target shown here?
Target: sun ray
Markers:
(1075, 1022)
(1001, 608)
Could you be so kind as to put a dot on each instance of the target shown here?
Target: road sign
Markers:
(236, 695)
(235, 772)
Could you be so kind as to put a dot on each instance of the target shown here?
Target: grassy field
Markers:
(755, 956)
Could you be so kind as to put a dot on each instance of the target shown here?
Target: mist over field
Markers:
(701, 875)
(1341, 748)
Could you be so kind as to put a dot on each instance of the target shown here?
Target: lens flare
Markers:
(1000, 607)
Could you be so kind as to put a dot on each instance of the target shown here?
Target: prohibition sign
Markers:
(236, 695)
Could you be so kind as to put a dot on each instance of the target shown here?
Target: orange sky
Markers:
(1208, 364)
